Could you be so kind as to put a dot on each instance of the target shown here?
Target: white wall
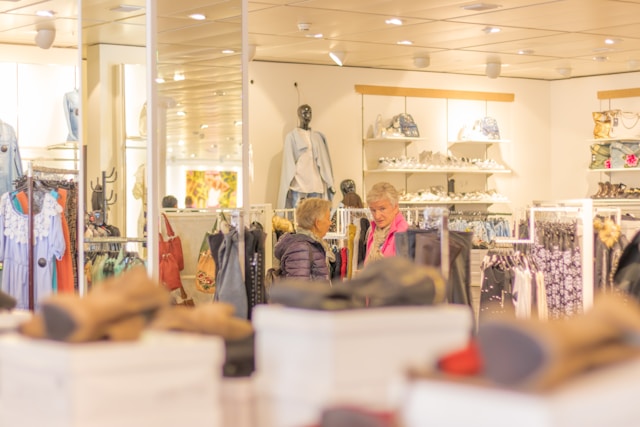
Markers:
(337, 112)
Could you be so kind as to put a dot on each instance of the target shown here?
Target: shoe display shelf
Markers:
(434, 159)
(309, 359)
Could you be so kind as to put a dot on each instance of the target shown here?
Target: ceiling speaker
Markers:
(45, 38)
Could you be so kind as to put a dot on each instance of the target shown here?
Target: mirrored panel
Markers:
(197, 149)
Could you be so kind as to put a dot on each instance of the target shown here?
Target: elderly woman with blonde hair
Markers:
(383, 201)
(304, 254)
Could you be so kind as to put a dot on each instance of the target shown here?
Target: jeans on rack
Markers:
(294, 197)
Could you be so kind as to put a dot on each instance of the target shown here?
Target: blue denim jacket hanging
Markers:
(10, 162)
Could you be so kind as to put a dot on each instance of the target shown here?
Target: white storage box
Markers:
(602, 398)
(327, 354)
(162, 380)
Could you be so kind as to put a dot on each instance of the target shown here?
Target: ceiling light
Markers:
(405, 42)
(612, 41)
(126, 8)
(228, 51)
(304, 26)
(45, 37)
(421, 61)
(314, 36)
(178, 77)
(198, 16)
(45, 13)
(337, 57)
(526, 52)
(159, 80)
(394, 21)
(564, 71)
(491, 30)
(493, 69)
(181, 113)
(204, 126)
(219, 93)
(237, 122)
(181, 142)
(600, 58)
(480, 7)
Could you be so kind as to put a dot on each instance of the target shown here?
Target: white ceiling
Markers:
(561, 35)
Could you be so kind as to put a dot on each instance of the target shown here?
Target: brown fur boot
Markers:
(115, 309)
(215, 319)
(537, 355)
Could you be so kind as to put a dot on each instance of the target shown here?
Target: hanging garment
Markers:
(64, 267)
(49, 244)
(71, 105)
(230, 287)
(10, 162)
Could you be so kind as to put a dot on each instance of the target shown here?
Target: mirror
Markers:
(196, 86)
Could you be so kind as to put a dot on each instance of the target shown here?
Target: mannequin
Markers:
(306, 164)
(350, 199)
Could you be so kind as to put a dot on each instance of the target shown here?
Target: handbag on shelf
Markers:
(600, 156)
(403, 125)
(603, 123)
(625, 154)
(171, 258)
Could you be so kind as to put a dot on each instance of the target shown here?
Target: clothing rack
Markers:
(581, 209)
(30, 182)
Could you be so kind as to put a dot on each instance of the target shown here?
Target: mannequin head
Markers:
(347, 186)
(304, 116)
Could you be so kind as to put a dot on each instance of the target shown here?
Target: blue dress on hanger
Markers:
(49, 244)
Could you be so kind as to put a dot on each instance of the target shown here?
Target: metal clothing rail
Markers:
(583, 210)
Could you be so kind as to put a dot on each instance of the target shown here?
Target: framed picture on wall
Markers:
(212, 189)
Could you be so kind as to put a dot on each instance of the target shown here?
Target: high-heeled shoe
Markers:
(598, 193)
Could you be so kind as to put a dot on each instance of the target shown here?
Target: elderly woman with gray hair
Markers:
(304, 254)
(384, 203)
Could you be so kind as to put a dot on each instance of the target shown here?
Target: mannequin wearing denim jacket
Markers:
(296, 145)
(71, 104)
(10, 162)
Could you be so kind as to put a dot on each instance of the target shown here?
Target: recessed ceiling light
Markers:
(600, 58)
(237, 122)
(480, 7)
(394, 21)
(612, 41)
(159, 80)
(405, 42)
(198, 16)
(178, 77)
(126, 8)
(228, 51)
(181, 142)
(204, 126)
(526, 52)
(181, 113)
(491, 30)
(314, 36)
(45, 13)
